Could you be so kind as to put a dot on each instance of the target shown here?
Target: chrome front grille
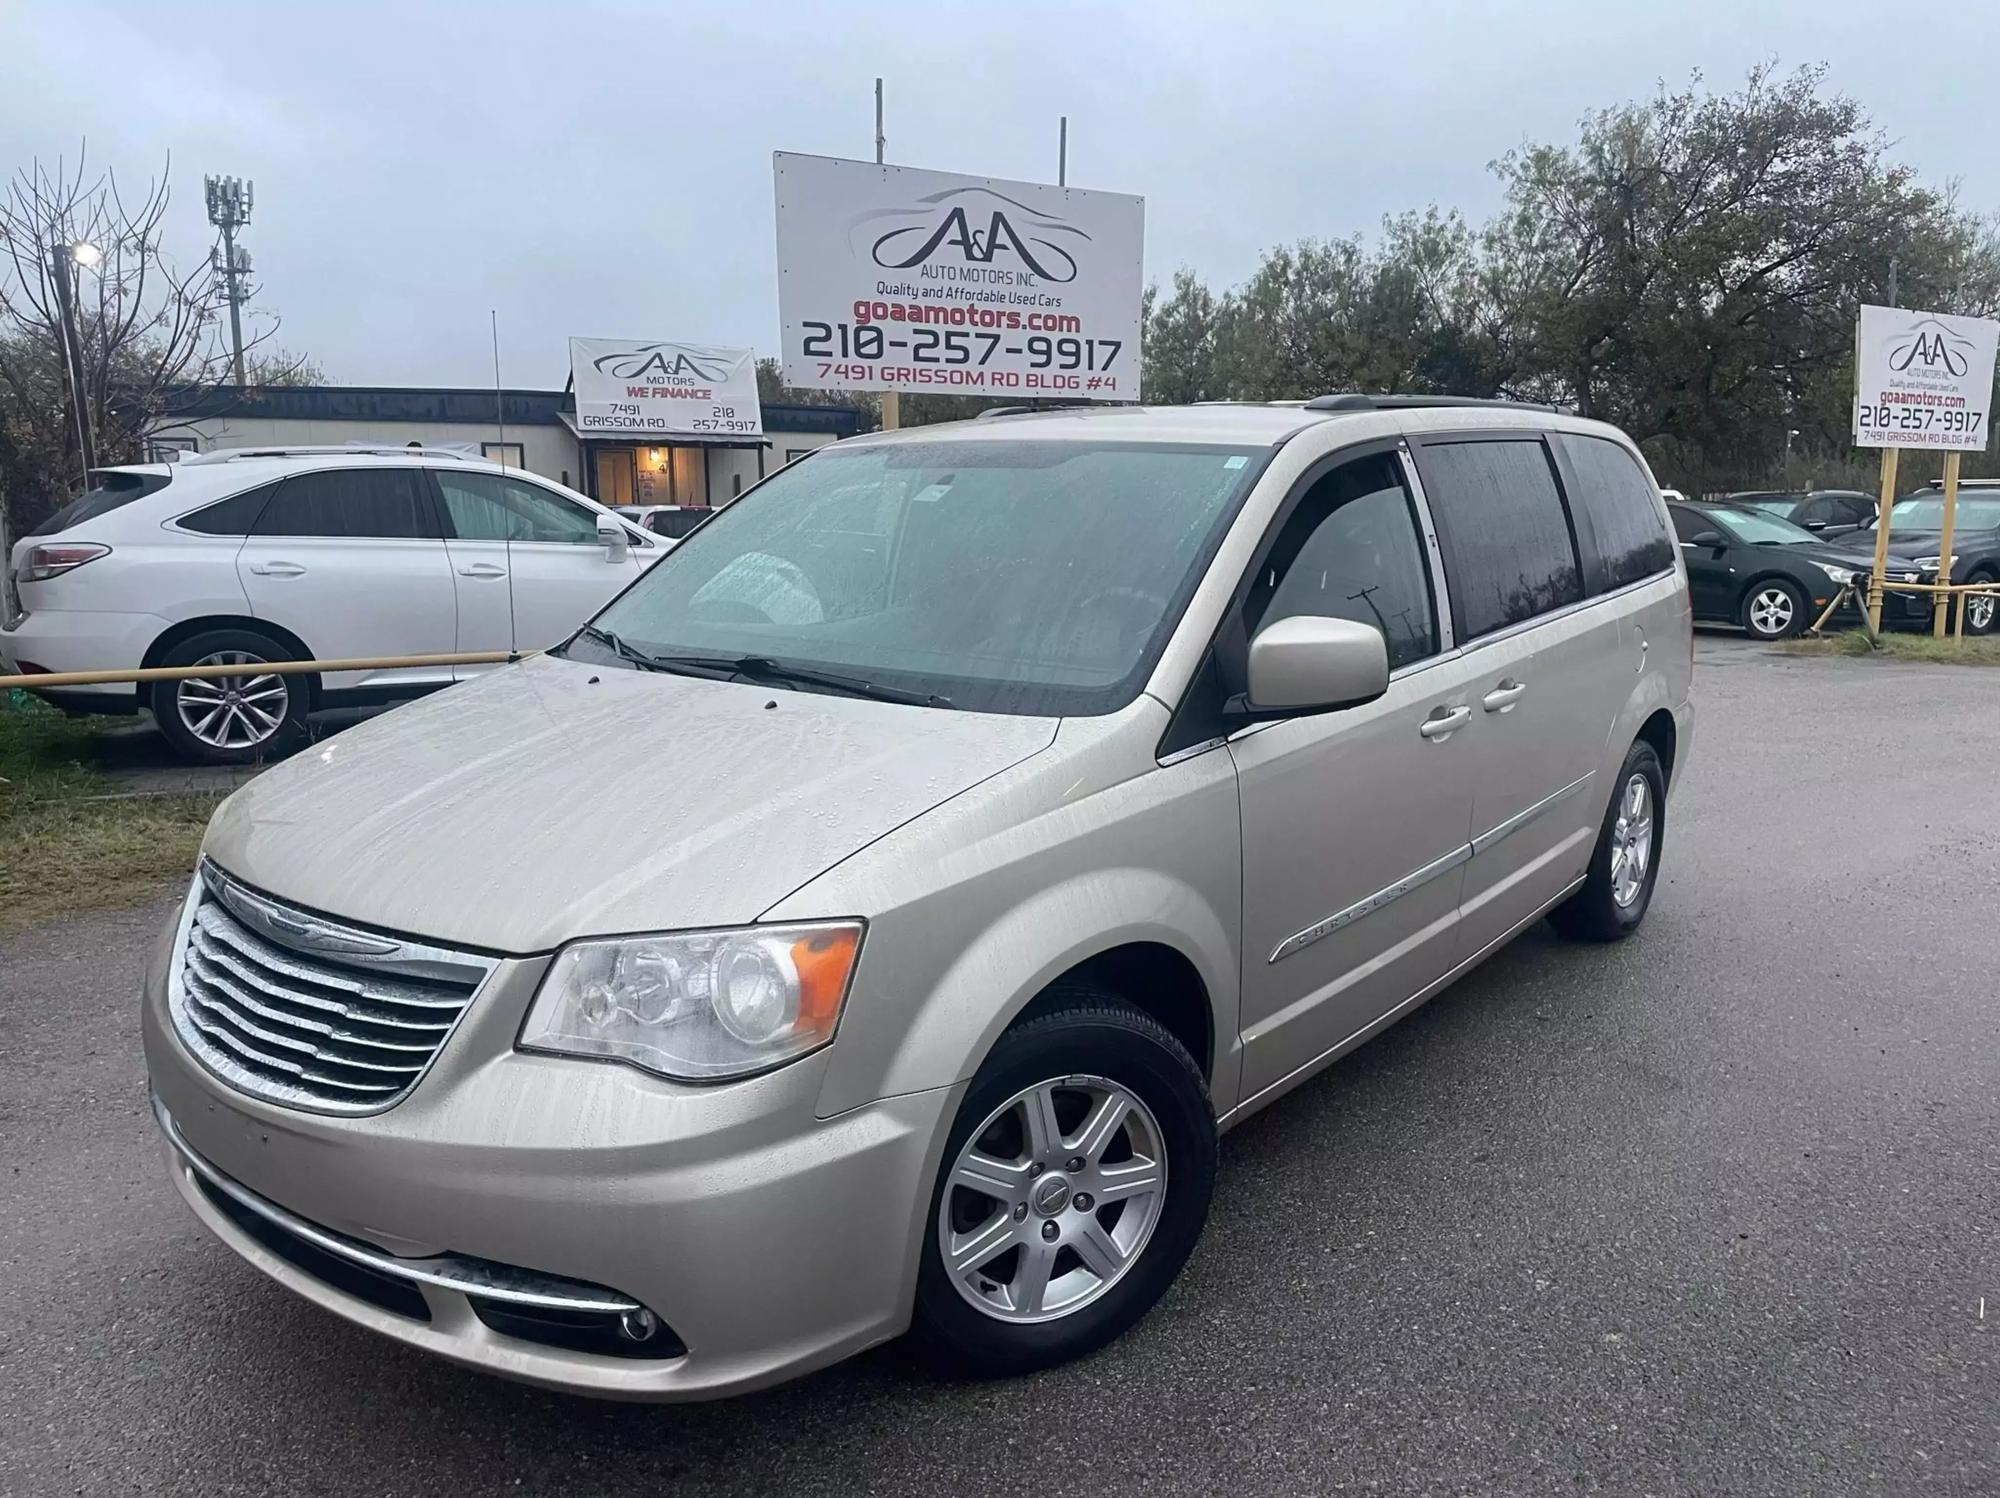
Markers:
(293, 1008)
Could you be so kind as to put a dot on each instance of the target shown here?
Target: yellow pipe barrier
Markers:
(40, 679)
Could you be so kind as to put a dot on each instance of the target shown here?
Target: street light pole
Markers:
(62, 268)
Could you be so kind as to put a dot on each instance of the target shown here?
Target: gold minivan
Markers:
(869, 921)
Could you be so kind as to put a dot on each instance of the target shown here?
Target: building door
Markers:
(617, 477)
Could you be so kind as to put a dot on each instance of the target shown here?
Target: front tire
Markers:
(1626, 862)
(231, 720)
(1074, 1185)
(1982, 611)
(1774, 609)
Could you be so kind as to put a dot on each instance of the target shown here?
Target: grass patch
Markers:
(1895, 646)
(60, 850)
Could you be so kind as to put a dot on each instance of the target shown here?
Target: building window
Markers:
(169, 449)
(506, 454)
(793, 454)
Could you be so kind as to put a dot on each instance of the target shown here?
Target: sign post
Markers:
(1921, 380)
(895, 279)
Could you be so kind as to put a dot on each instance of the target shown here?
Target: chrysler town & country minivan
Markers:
(1049, 792)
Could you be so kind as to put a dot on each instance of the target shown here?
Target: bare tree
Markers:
(138, 327)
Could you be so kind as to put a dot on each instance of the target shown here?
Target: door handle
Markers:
(277, 569)
(1445, 721)
(482, 569)
(1503, 697)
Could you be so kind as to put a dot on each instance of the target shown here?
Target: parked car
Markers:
(1074, 785)
(671, 521)
(268, 554)
(1748, 567)
(1916, 536)
(1825, 512)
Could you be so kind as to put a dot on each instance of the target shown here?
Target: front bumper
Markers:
(766, 1241)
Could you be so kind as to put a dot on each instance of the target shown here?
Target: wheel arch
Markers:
(1142, 934)
(1156, 979)
(1660, 731)
(187, 629)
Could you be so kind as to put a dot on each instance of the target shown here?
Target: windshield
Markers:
(1760, 529)
(1008, 576)
(1927, 514)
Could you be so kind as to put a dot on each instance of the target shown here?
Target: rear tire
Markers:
(231, 720)
(1774, 609)
(1060, 1257)
(1626, 862)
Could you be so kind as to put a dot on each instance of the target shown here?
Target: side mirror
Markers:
(1309, 663)
(616, 541)
(1711, 539)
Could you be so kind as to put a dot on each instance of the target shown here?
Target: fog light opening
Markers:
(638, 1326)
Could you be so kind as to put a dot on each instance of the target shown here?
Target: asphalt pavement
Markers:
(1715, 1212)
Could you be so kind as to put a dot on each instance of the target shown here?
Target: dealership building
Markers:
(533, 429)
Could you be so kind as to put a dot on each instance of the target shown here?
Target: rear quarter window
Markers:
(1612, 497)
(234, 516)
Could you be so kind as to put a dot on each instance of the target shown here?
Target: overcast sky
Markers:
(605, 169)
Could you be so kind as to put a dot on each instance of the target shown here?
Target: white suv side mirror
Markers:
(616, 542)
(1308, 662)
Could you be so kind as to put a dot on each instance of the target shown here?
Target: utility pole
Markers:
(229, 201)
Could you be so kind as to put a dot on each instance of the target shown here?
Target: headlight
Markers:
(1925, 564)
(699, 1005)
(1841, 576)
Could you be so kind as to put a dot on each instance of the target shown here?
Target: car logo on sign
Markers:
(1002, 233)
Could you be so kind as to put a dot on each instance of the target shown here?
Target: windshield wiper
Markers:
(764, 668)
(629, 652)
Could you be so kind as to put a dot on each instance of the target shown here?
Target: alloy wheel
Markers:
(232, 712)
(1771, 611)
(1052, 1199)
(1979, 612)
(1632, 841)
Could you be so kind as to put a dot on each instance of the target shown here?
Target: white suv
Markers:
(301, 554)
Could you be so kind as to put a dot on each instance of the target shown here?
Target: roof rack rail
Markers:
(463, 454)
(994, 412)
(1357, 401)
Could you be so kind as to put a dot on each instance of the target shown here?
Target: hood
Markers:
(554, 799)
(1839, 556)
(1923, 543)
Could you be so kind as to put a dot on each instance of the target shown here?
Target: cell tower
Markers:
(229, 200)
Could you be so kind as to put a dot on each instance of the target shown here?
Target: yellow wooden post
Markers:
(1881, 542)
(892, 410)
(1942, 601)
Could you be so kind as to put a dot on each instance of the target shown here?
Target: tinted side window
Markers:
(1508, 551)
(486, 507)
(1853, 509)
(380, 502)
(1689, 523)
(1617, 500)
(234, 516)
(1351, 551)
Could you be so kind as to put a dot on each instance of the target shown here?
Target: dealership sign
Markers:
(895, 279)
(1922, 379)
(632, 388)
